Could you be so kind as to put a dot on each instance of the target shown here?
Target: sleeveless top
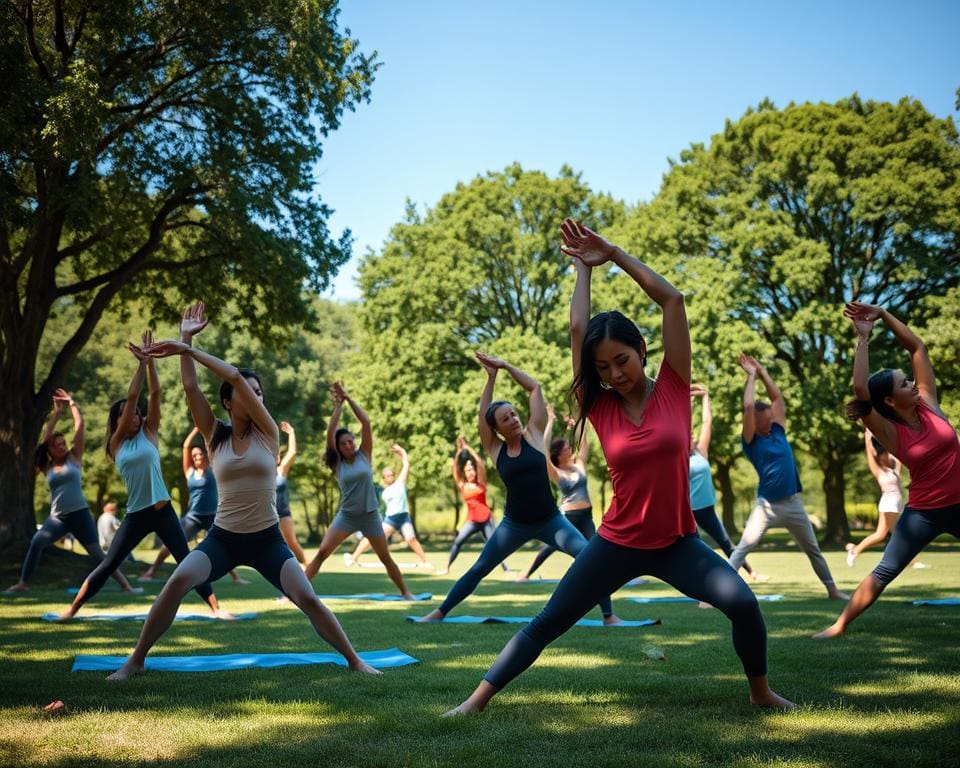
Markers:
(573, 486)
(203, 493)
(66, 492)
(357, 494)
(283, 494)
(475, 497)
(932, 454)
(138, 461)
(529, 497)
(247, 485)
(889, 481)
(702, 493)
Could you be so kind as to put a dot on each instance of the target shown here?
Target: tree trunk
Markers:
(725, 485)
(19, 428)
(834, 486)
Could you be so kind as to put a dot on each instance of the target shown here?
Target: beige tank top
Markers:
(247, 485)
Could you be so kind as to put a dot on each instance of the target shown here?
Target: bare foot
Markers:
(65, 616)
(836, 594)
(147, 576)
(427, 565)
(834, 630)
(242, 581)
(128, 670)
(225, 615)
(55, 707)
(20, 586)
(463, 709)
(520, 580)
(134, 590)
(408, 595)
(704, 604)
(443, 572)
(772, 700)
(361, 666)
(758, 577)
(434, 615)
(612, 620)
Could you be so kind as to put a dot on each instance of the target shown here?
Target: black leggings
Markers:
(468, 529)
(915, 529)
(134, 529)
(688, 565)
(264, 550)
(79, 523)
(582, 520)
(709, 522)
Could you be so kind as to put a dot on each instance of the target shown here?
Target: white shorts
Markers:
(889, 503)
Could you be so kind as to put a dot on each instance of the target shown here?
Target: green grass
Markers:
(887, 694)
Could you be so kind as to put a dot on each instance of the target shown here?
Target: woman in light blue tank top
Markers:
(69, 512)
(359, 510)
(132, 444)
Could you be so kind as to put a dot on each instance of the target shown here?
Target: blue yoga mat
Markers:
(537, 581)
(527, 620)
(377, 596)
(682, 599)
(941, 601)
(143, 617)
(392, 657)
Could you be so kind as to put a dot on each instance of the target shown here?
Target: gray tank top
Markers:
(66, 492)
(573, 486)
(357, 494)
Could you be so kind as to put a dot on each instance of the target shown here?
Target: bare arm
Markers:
(366, 432)
(547, 439)
(749, 399)
(125, 422)
(777, 405)
(489, 440)
(455, 464)
(79, 433)
(192, 322)
(706, 426)
(881, 428)
(478, 464)
(334, 423)
(404, 463)
(187, 447)
(579, 312)
(871, 459)
(291, 453)
(51, 425)
(919, 358)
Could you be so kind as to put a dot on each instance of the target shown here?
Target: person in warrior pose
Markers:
(69, 512)
(287, 527)
(472, 484)
(132, 440)
(906, 419)
(202, 504)
(243, 455)
(359, 510)
(394, 495)
(530, 511)
(642, 424)
(778, 503)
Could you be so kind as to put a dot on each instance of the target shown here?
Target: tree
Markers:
(788, 214)
(149, 146)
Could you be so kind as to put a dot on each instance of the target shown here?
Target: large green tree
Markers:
(156, 150)
(782, 218)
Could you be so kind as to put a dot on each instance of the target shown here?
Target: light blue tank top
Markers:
(203, 493)
(138, 461)
(702, 493)
(66, 492)
(357, 494)
(395, 497)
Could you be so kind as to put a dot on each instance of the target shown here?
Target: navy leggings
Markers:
(79, 523)
(582, 520)
(688, 565)
(508, 538)
(467, 530)
(264, 550)
(915, 529)
(136, 526)
(709, 522)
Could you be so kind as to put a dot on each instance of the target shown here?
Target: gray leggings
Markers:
(79, 523)
(508, 538)
(582, 520)
(467, 530)
(688, 565)
(915, 529)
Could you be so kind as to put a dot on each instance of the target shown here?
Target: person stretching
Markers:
(906, 419)
(287, 527)
(530, 511)
(649, 527)
(246, 532)
(359, 510)
(778, 502)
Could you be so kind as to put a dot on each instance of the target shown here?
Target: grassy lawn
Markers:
(887, 694)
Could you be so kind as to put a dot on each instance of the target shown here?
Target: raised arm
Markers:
(126, 420)
(488, 438)
(291, 453)
(192, 322)
(871, 459)
(777, 405)
(583, 452)
(51, 426)
(404, 463)
(366, 432)
(706, 419)
(547, 439)
(579, 312)
(79, 428)
(862, 408)
(458, 447)
(749, 365)
(334, 423)
(187, 459)
(538, 406)
(478, 463)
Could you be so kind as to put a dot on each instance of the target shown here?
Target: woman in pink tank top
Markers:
(906, 419)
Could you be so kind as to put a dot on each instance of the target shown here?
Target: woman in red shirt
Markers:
(644, 429)
(905, 417)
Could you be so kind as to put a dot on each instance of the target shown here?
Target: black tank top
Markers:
(529, 495)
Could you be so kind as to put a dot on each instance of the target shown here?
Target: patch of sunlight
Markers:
(818, 723)
(900, 685)
(551, 659)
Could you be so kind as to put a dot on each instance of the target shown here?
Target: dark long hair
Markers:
(113, 418)
(880, 385)
(41, 456)
(332, 457)
(223, 430)
(586, 388)
(490, 415)
(556, 448)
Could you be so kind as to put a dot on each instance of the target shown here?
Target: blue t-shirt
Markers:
(702, 494)
(772, 457)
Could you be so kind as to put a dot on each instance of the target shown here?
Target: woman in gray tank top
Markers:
(359, 509)
(69, 512)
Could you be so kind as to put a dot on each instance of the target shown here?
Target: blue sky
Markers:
(612, 88)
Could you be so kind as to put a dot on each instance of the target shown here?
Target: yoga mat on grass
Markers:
(941, 601)
(527, 620)
(683, 599)
(143, 617)
(392, 657)
(377, 596)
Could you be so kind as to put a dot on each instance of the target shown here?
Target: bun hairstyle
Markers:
(880, 386)
(224, 431)
(587, 385)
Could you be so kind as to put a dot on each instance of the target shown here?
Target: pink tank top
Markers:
(889, 481)
(932, 454)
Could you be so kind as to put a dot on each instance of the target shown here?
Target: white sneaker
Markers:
(348, 559)
(851, 555)
(920, 565)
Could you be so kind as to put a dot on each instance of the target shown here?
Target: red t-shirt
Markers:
(932, 454)
(648, 465)
(478, 511)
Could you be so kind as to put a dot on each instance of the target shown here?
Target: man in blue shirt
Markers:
(778, 503)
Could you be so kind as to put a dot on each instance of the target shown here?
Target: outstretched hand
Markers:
(285, 427)
(194, 319)
(167, 348)
(698, 390)
(338, 393)
(490, 363)
(60, 398)
(584, 244)
(749, 364)
(146, 342)
(863, 316)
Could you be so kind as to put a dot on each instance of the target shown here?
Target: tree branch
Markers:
(32, 42)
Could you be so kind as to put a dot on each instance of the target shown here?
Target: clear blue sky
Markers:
(611, 88)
